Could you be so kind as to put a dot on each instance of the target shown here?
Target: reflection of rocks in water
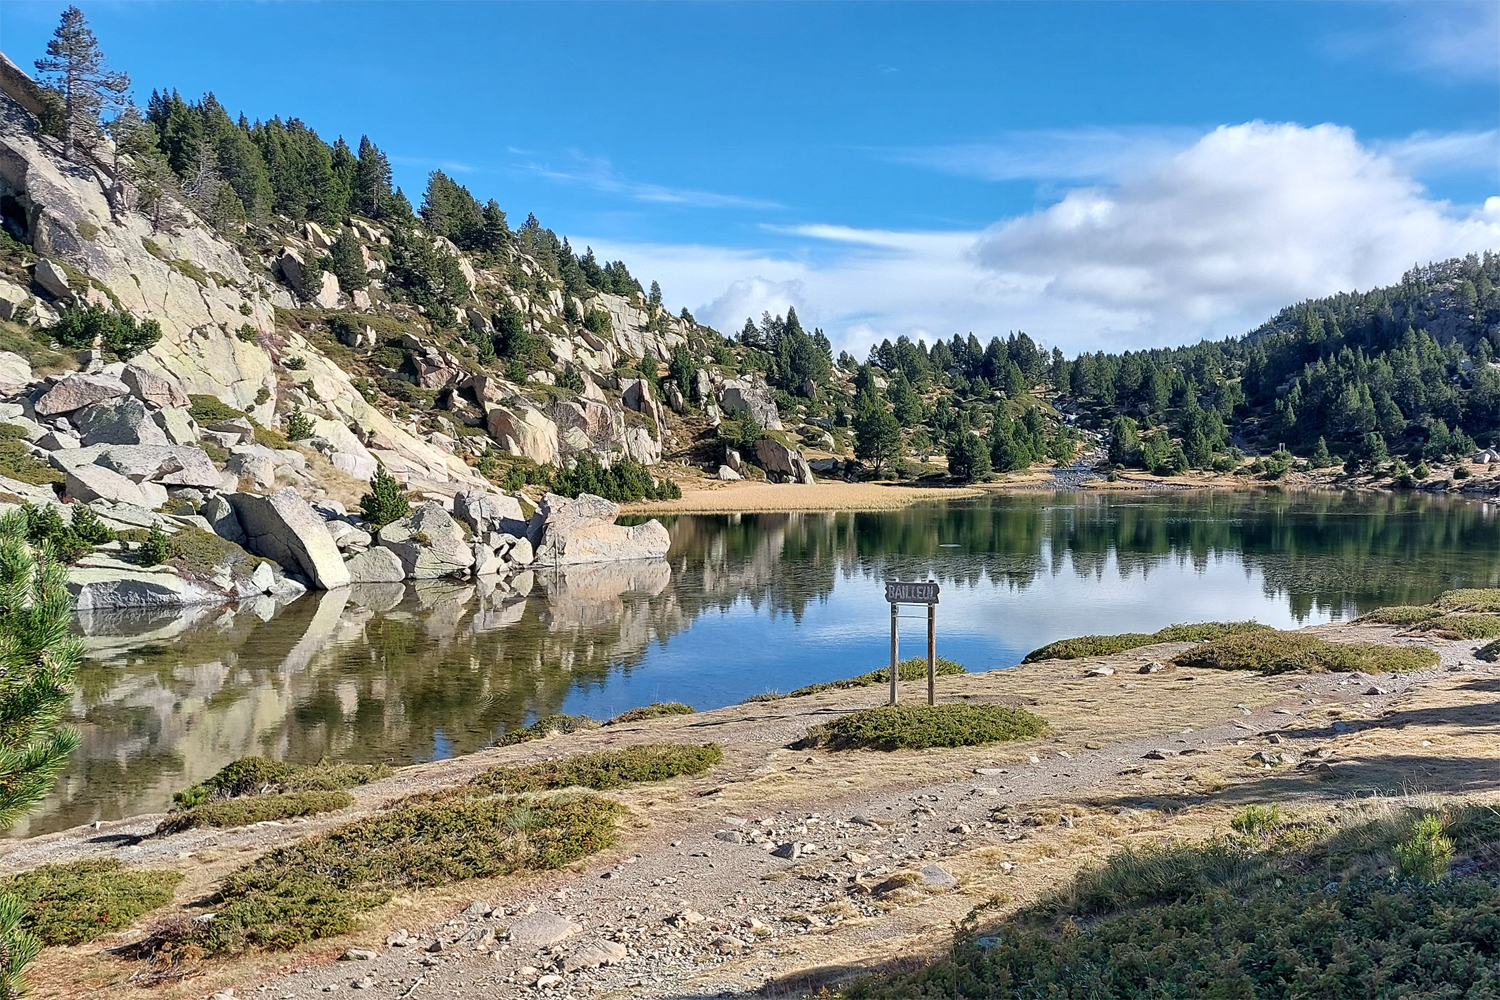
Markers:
(328, 607)
(592, 594)
(134, 626)
(377, 597)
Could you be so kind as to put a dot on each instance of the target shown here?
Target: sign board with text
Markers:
(916, 592)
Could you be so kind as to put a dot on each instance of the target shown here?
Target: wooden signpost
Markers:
(914, 592)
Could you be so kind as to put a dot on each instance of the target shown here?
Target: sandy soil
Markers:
(716, 497)
(1131, 758)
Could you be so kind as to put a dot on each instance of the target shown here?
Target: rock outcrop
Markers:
(782, 463)
(584, 531)
(428, 542)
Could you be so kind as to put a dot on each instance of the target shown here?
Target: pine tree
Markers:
(876, 433)
(39, 656)
(385, 502)
(347, 263)
(1321, 459)
(74, 69)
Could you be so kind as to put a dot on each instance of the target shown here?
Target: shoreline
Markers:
(751, 497)
(677, 851)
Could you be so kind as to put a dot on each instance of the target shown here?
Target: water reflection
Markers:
(744, 603)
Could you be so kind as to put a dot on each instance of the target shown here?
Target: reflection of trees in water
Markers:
(409, 673)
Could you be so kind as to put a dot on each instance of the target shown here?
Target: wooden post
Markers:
(932, 654)
(894, 668)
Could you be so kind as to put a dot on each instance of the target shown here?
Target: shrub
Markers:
(385, 502)
(1106, 645)
(653, 711)
(605, 769)
(88, 527)
(44, 524)
(1427, 854)
(1221, 920)
(1255, 820)
(1480, 600)
(74, 903)
(1281, 652)
(246, 333)
(550, 725)
(157, 548)
(299, 426)
(1461, 472)
(210, 409)
(1400, 614)
(19, 464)
(260, 775)
(317, 888)
(916, 727)
(1464, 626)
(254, 809)
(626, 481)
(294, 363)
(119, 332)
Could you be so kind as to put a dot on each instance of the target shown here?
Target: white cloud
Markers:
(1458, 40)
(597, 173)
(1435, 154)
(1206, 241)
(1092, 153)
(1249, 218)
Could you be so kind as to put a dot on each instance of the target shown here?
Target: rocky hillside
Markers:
(222, 380)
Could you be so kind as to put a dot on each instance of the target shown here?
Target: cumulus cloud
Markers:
(1248, 218)
(1205, 241)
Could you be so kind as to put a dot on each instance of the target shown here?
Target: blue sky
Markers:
(1101, 175)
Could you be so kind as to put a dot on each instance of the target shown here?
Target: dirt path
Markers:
(805, 865)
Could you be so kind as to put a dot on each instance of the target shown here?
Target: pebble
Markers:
(1158, 754)
(1102, 672)
(1153, 668)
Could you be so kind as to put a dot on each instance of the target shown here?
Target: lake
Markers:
(742, 605)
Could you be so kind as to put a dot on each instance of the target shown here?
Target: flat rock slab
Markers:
(541, 930)
(592, 954)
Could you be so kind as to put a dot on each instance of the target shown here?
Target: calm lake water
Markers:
(742, 605)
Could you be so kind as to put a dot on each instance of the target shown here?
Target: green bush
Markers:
(75, 903)
(88, 527)
(1225, 920)
(1473, 600)
(254, 809)
(119, 332)
(317, 887)
(299, 426)
(385, 502)
(157, 548)
(261, 775)
(605, 769)
(44, 524)
(626, 481)
(19, 464)
(207, 409)
(653, 711)
(1427, 854)
(1400, 614)
(1464, 626)
(1106, 645)
(916, 727)
(1281, 652)
(1255, 820)
(549, 725)
(294, 363)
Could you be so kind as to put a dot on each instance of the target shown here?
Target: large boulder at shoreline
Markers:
(376, 565)
(584, 531)
(485, 512)
(428, 542)
(283, 527)
(102, 581)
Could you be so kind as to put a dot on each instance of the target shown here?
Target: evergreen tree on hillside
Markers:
(74, 69)
(372, 181)
(877, 435)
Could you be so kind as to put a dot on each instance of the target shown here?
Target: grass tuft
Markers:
(1474, 599)
(1106, 645)
(656, 710)
(1273, 652)
(76, 903)
(262, 776)
(916, 727)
